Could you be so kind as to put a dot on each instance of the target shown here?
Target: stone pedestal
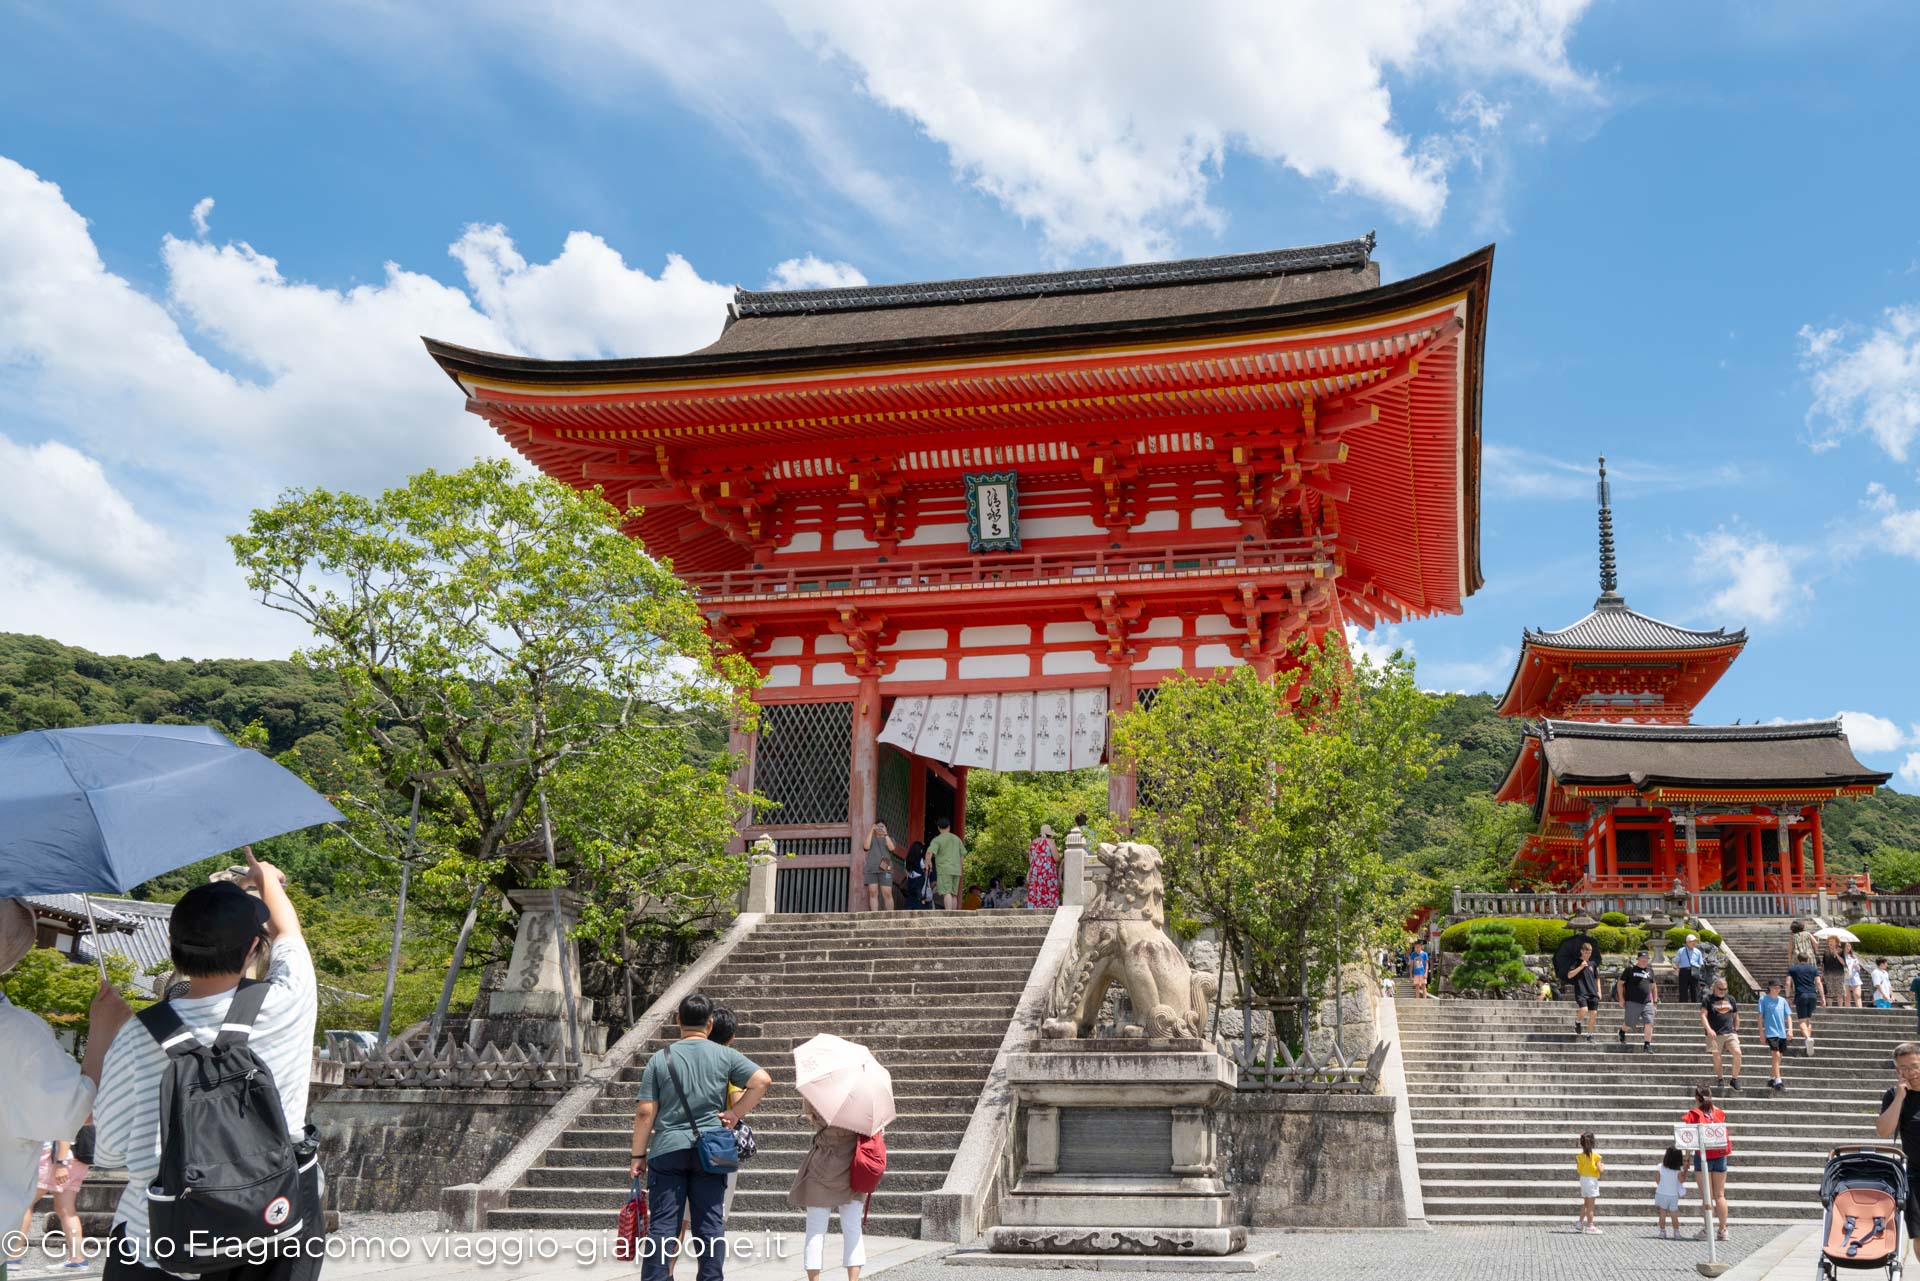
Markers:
(762, 876)
(1119, 1151)
(530, 1008)
(1073, 870)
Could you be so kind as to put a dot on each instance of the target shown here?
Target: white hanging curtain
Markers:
(1058, 729)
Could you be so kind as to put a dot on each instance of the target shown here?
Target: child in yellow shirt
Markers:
(1590, 1167)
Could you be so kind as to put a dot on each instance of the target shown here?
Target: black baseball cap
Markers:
(211, 919)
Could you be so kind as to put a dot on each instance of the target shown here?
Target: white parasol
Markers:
(844, 1084)
(1837, 932)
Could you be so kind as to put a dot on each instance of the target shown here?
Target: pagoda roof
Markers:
(1612, 625)
(1806, 754)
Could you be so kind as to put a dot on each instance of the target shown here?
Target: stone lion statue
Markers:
(1123, 939)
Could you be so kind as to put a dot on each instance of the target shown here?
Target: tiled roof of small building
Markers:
(1614, 626)
(1813, 754)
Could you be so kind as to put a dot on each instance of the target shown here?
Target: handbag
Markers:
(745, 1141)
(716, 1149)
(632, 1228)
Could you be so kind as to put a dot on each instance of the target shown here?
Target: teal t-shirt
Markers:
(705, 1071)
(1773, 1016)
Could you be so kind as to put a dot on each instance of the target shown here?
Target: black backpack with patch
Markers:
(233, 1184)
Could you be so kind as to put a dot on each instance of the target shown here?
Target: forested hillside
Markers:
(1450, 832)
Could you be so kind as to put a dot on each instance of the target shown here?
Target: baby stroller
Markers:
(1865, 1192)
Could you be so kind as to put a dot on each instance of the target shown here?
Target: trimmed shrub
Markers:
(1536, 935)
(1493, 960)
(1885, 940)
(1677, 937)
(1614, 918)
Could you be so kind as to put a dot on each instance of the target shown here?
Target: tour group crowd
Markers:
(1816, 976)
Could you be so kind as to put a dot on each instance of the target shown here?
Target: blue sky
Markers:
(1708, 266)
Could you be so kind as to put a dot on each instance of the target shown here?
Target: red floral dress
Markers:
(1043, 874)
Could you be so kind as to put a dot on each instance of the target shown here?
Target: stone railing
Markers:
(1895, 909)
(1715, 903)
(399, 1066)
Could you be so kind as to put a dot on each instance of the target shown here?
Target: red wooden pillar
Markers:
(1819, 849)
(1613, 846)
(1121, 790)
(916, 801)
(865, 796)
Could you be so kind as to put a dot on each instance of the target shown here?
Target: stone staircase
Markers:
(930, 993)
(1761, 943)
(1499, 1090)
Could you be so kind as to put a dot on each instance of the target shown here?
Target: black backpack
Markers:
(232, 1182)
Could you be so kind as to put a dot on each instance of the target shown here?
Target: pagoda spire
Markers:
(1610, 597)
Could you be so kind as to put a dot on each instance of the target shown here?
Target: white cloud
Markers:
(1109, 123)
(1760, 580)
(813, 273)
(1378, 644)
(201, 210)
(1910, 769)
(1524, 473)
(1470, 675)
(1866, 384)
(1870, 733)
(239, 382)
(62, 512)
(1899, 527)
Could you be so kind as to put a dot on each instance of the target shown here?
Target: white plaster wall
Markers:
(917, 669)
(1058, 633)
(807, 540)
(833, 674)
(1060, 527)
(782, 676)
(1159, 658)
(1213, 518)
(1213, 625)
(831, 643)
(1069, 663)
(1010, 634)
(845, 539)
(1158, 522)
(1159, 629)
(990, 665)
(928, 535)
(1208, 657)
(919, 638)
(782, 647)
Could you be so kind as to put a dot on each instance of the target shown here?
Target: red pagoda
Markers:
(1629, 794)
(955, 524)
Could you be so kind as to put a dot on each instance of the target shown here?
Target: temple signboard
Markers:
(993, 511)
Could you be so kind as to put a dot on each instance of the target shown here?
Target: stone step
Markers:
(786, 1106)
(1623, 1167)
(1585, 1116)
(598, 1220)
(987, 917)
(731, 990)
(904, 1074)
(967, 1044)
(1746, 1210)
(1741, 1192)
(755, 1001)
(571, 1165)
(746, 1199)
(1572, 1123)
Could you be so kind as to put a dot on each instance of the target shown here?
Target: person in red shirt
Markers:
(1714, 1177)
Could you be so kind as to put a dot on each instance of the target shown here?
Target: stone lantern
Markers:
(1657, 926)
(761, 874)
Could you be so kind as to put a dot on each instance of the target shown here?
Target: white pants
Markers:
(853, 1248)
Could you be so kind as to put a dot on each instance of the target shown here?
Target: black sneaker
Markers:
(1734, 1085)
(1649, 1047)
(1623, 1036)
(1776, 1084)
(1719, 1083)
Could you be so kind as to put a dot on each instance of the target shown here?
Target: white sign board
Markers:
(1692, 1138)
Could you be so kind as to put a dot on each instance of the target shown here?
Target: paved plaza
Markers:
(1496, 1252)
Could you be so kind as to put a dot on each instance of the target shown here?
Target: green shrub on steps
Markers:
(1885, 940)
(1536, 936)
(1614, 918)
(1493, 960)
(1677, 937)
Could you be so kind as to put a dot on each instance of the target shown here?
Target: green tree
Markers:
(1493, 961)
(1271, 801)
(1005, 811)
(59, 989)
(1470, 846)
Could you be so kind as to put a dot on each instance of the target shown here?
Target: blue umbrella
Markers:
(101, 808)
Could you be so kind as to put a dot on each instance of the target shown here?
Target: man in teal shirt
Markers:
(946, 853)
(683, 1091)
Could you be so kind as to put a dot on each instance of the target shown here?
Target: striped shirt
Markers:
(127, 1113)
